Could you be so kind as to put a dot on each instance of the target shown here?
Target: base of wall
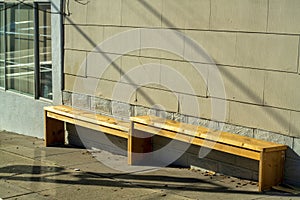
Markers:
(22, 114)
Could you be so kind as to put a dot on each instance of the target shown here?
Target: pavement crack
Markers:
(19, 195)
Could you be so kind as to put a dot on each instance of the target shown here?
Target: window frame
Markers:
(37, 72)
(4, 41)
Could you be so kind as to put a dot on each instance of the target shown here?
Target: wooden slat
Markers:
(130, 146)
(199, 141)
(97, 127)
(89, 117)
(205, 133)
(278, 148)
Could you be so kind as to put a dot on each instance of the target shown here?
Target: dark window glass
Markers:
(45, 51)
(20, 49)
(2, 46)
(25, 49)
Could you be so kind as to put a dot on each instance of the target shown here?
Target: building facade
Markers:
(30, 66)
(226, 64)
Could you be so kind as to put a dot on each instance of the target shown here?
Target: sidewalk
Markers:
(28, 170)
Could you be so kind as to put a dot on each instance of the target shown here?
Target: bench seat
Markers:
(270, 155)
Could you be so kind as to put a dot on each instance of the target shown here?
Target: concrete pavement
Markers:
(28, 170)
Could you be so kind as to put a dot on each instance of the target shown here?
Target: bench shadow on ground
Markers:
(59, 175)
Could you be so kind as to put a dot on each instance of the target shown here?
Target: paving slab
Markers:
(118, 162)
(9, 190)
(28, 170)
(96, 168)
(207, 193)
(70, 158)
(106, 190)
(37, 182)
(161, 195)
(31, 196)
(7, 158)
(38, 152)
(8, 139)
(283, 197)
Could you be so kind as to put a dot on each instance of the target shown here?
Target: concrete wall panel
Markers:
(220, 46)
(140, 70)
(265, 118)
(75, 62)
(282, 90)
(141, 13)
(78, 13)
(295, 126)
(83, 37)
(161, 99)
(133, 40)
(239, 15)
(183, 77)
(81, 85)
(162, 43)
(284, 16)
(108, 69)
(192, 14)
(102, 12)
(242, 84)
(264, 51)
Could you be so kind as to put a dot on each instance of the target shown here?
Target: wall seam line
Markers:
(298, 58)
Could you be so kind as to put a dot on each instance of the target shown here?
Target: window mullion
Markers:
(36, 52)
(5, 46)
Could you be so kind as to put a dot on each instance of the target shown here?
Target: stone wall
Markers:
(253, 43)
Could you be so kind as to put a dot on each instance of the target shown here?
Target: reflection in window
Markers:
(45, 51)
(25, 48)
(2, 47)
(20, 49)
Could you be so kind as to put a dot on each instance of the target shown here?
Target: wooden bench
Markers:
(56, 116)
(270, 155)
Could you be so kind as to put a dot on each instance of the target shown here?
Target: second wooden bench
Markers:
(270, 155)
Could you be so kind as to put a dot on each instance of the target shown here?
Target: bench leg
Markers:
(271, 168)
(54, 131)
(139, 146)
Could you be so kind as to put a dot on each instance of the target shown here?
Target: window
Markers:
(26, 65)
(2, 47)
(45, 58)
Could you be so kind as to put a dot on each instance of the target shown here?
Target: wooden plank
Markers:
(271, 169)
(278, 148)
(205, 133)
(199, 141)
(130, 146)
(89, 117)
(54, 131)
(139, 147)
(89, 125)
